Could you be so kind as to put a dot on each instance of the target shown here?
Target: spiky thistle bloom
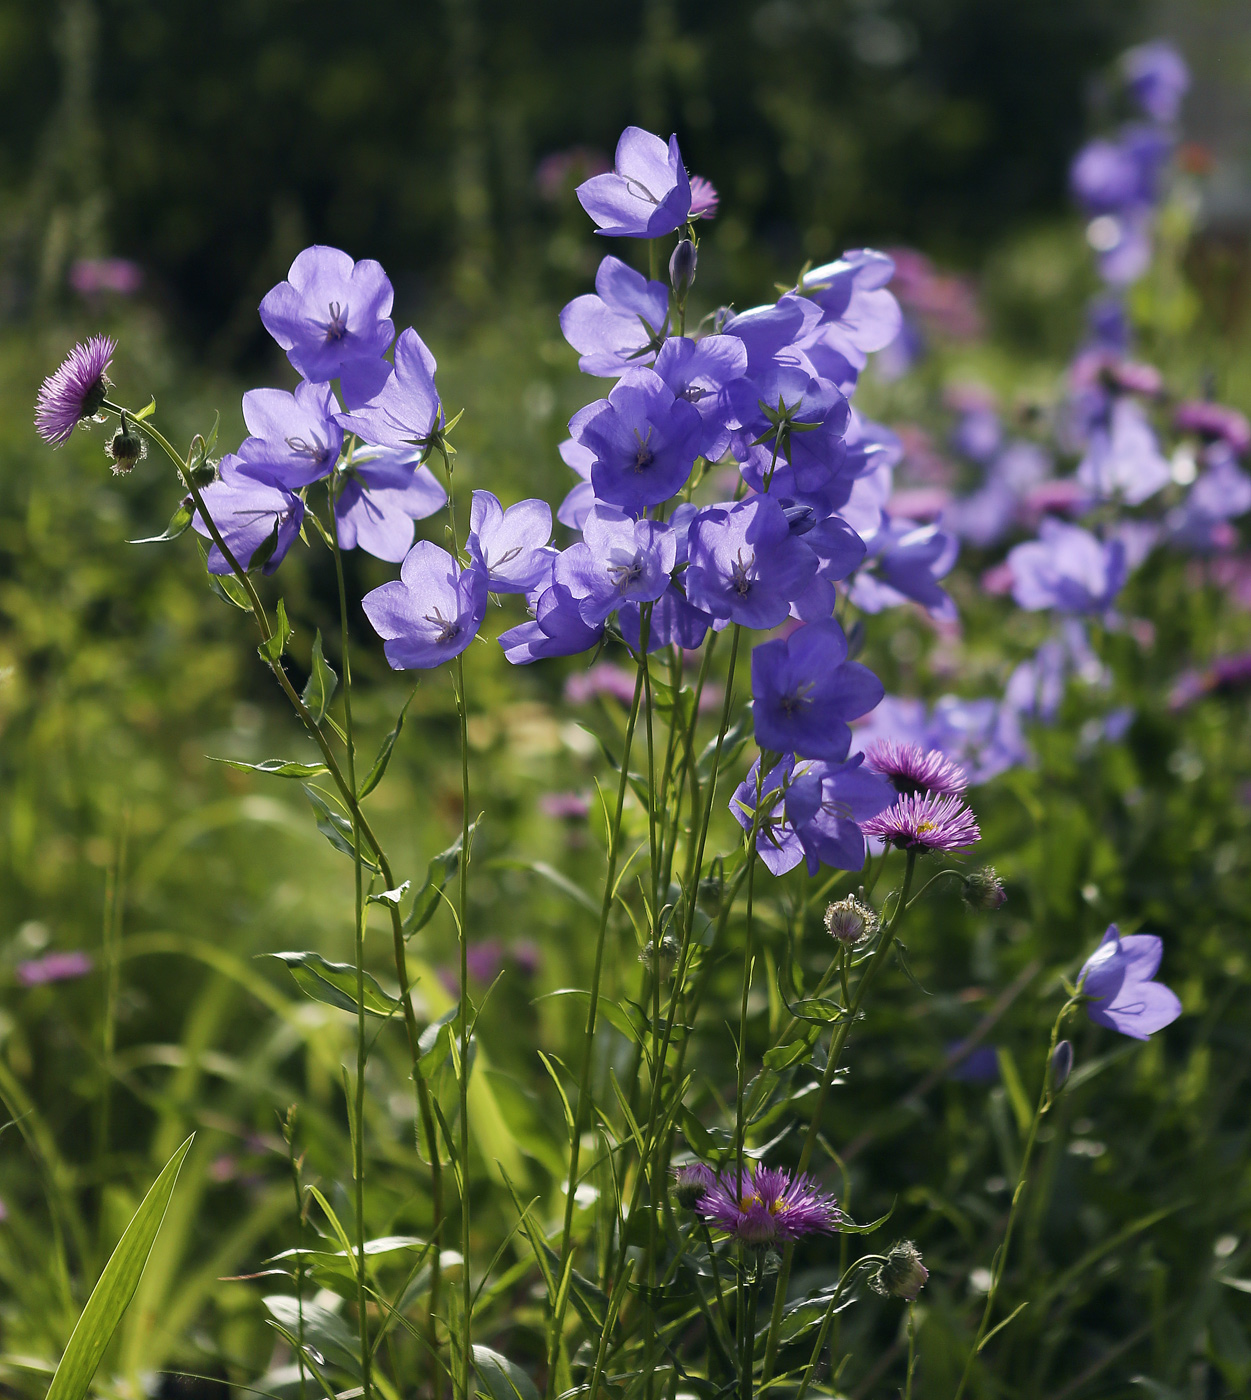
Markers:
(771, 1207)
(911, 769)
(925, 822)
(704, 198)
(691, 1183)
(75, 391)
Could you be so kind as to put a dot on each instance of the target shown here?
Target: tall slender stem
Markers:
(1045, 1100)
(462, 901)
(581, 1108)
(362, 1046)
(748, 964)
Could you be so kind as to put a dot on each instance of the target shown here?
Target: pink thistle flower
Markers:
(704, 198)
(911, 769)
(53, 967)
(75, 391)
(925, 822)
(772, 1207)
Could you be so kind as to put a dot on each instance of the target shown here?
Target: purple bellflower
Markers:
(75, 390)
(250, 513)
(905, 562)
(1067, 568)
(1118, 976)
(619, 561)
(557, 629)
(861, 316)
(644, 440)
(430, 613)
(332, 317)
(805, 691)
(622, 325)
(1221, 494)
(1123, 460)
(383, 492)
(708, 374)
(746, 565)
(581, 498)
(925, 822)
(647, 194)
(295, 439)
(405, 412)
(512, 545)
(1157, 76)
(770, 1207)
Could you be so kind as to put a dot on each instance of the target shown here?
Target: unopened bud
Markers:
(711, 889)
(691, 1183)
(849, 922)
(126, 447)
(902, 1274)
(1061, 1064)
(984, 889)
(682, 266)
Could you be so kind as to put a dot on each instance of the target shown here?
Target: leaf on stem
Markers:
(501, 1378)
(335, 983)
(438, 873)
(179, 523)
(375, 774)
(277, 767)
(337, 829)
(272, 650)
(322, 683)
(226, 586)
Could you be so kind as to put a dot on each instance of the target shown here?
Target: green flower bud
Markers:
(902, 1274)
(849, 922)
(682, 267)
(984, 889)
(125, 448)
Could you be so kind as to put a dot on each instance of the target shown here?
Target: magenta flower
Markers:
(772, 1207)
(75, 391)
(1118, 977)
(925, 822)
(647, 194)
(52, 967)
(691, 1183)
(912, 770)
(704, 198)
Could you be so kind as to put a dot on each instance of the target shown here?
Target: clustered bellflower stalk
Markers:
(726, 483)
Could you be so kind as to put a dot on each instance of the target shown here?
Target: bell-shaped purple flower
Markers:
(431, 613)
(905, 562)
(384, 492)
(622, 325)
(709, 374)
(295, 439)
(580, 500)
(805, 692)
(332, 317)
(620, 560)
(405, 411)
(1157, 76)
(1118, 976)
(1123, 460)
(860, 315)
(647, 193)
(1067, 568)
(511, 545)
(558, 629)
(644, 440)
(250, 514)
(746, 566)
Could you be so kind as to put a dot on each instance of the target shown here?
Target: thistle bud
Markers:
(849, 922)
(682, 268)
(984, 889)
(901, 1274)
(126, 447)
(691, 1183)
(1061, 1064)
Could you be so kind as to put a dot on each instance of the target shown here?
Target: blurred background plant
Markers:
(159, 169)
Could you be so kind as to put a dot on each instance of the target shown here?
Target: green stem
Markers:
(1045, 1100)
(885, 943)
(592, 1020)
(912, 1349)
(748, 964)
(463, 905)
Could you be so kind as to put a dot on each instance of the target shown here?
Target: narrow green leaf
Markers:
(695, 1133)
(818, 1010)
(438, 873)
(277, 767)
(112, 1294)
(179, 523)
(264, 551)
(322, 1329)
(391, 898)
(375, 774)
(337, 829)
(553, 877)
(273, 649)
(614, 1014)
(1000, 1326)
(501, 1378)
(335, 983)
(784, 1056)
(322, 683)
(144, 412)
(226, 586)
(1021, 1109)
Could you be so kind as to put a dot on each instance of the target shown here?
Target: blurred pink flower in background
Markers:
(91, 276)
